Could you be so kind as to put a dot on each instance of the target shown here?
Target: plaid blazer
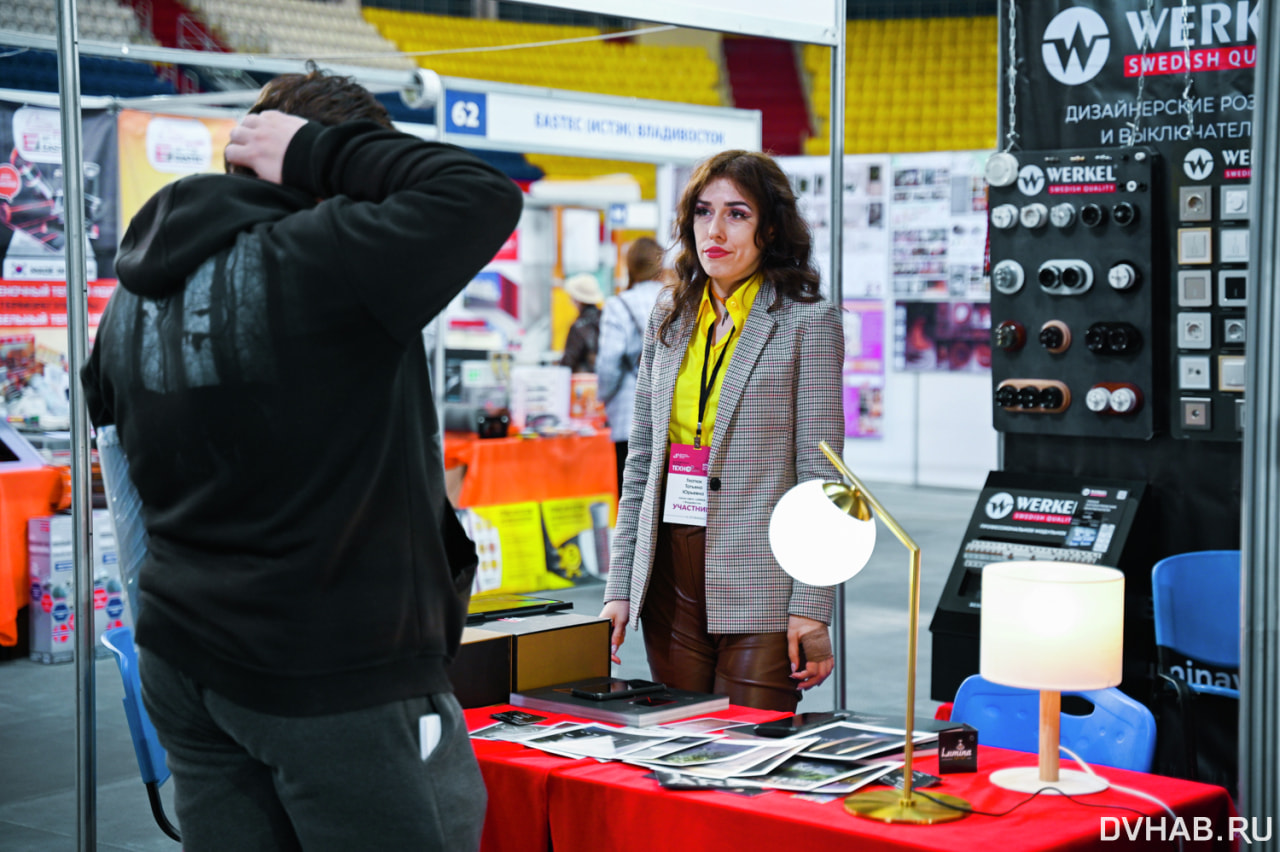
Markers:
(781, 395)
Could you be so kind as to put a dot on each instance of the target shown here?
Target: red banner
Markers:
(1177, 61)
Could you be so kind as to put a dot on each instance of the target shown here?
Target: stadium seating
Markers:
(910, 85)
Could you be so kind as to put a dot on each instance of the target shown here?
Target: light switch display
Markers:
(1073, 280)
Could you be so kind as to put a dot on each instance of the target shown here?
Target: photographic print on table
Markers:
(759, 761)
(598, 741)
(860, 778)
(507, 732)
(851, 741)
(802, 774)
(662, 749)
(707, 753)
(669, 779)
(701, 726)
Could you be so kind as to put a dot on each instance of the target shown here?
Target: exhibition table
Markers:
(518, 470)
(517, 780)
(588, 806)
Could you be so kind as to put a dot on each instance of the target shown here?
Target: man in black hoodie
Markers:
(306, 580)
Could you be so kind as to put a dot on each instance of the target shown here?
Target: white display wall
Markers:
(914, 231)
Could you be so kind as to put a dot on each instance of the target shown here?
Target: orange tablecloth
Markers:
(518, 470)
(25, 492)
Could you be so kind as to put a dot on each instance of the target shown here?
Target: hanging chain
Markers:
(1188, 102)
(1011, 74)
(1136, 124)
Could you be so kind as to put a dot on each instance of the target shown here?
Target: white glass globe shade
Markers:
(814, 541)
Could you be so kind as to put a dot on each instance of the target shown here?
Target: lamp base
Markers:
(887, 806)
(1026, 779)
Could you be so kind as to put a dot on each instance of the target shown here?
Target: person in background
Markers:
(740, 378)
(622, 326)
(581, 345)
(306, 580)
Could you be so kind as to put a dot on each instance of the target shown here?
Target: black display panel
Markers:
(1077, 302)
(1024, 517)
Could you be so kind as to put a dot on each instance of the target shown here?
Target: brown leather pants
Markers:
(751, 668)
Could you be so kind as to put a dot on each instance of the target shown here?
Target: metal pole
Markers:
(439, 328)
(1002, 61)
(1259, 728)
(78, 346)
(1002, 127)
(836, 131)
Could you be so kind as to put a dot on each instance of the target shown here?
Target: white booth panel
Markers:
(958, 444)
(892, 457)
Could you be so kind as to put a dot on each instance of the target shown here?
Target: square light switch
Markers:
(1195, 245)
(1235, 202)
(1231, 373)
(1233, 245)
(1195, 288)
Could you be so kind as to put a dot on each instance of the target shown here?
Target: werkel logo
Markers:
(1000, 505)
(1031, 179)
(1198, 164)
(1076, 45)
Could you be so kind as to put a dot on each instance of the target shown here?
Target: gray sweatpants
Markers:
(246, 781)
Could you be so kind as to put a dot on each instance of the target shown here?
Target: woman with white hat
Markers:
(584, 335)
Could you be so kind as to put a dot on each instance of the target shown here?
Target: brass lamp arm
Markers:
(882, 806)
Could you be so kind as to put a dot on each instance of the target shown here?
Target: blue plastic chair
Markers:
(1196, 599)
(146, 745)
(1119, 732)
(1197, 613)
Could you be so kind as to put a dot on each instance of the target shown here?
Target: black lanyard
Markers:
(704, 389)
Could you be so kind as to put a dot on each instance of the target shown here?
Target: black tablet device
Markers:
(491, 607)
(608, 688)
(792, 725)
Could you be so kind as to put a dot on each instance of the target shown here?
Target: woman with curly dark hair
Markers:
(740, 378)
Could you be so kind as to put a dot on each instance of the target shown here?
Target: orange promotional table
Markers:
(518, 470)
(26, 491)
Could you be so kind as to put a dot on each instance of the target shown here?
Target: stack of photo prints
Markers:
(718, 754)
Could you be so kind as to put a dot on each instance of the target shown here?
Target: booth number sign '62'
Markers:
(466, 112)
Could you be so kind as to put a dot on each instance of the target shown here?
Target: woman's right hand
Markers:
(618, 613)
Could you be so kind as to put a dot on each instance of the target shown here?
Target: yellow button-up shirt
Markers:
(684, 406)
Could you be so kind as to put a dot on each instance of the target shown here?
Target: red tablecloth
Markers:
(517, 779)
(519, 470)
(594, 807)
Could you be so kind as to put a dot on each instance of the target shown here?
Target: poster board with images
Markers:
(939, 238)
(33, 228)
(865, 246)
(942, 336)
(863, 374)
(866, 281)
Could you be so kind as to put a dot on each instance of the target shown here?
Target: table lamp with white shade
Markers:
(1052, 627)
(823, 533)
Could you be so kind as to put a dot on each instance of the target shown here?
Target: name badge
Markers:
(687, 485)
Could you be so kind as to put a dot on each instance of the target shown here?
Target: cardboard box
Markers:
(51, 609)
(517, 654)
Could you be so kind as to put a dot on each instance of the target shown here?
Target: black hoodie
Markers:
(263, 363)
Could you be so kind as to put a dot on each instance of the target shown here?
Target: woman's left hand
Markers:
(813, 637)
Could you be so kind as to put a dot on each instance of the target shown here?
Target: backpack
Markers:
(630, 364)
